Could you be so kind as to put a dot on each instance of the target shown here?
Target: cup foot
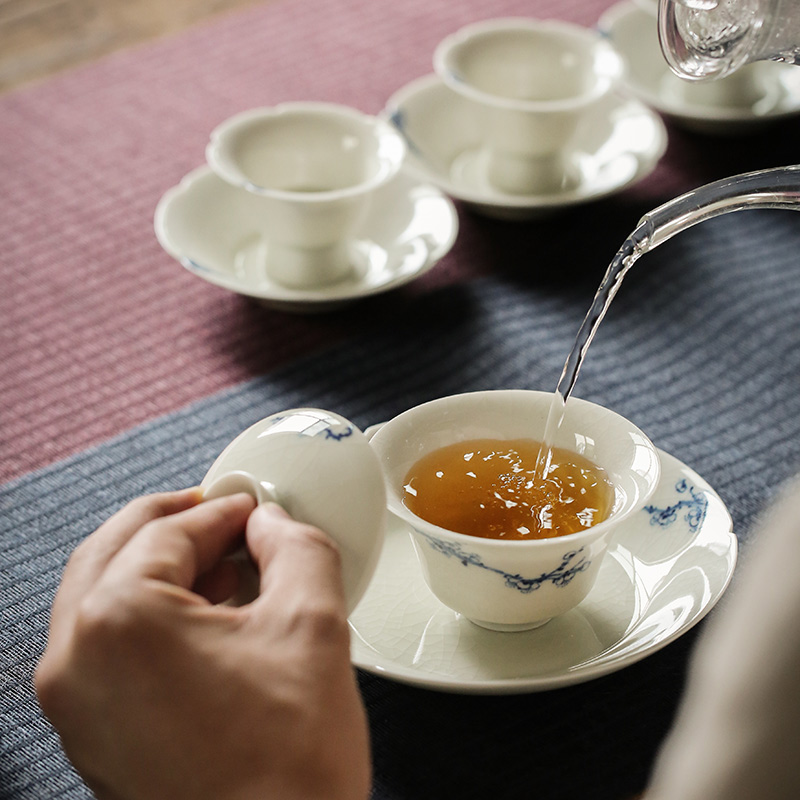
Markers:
(472, 167)
(525, 174)
(309, 268)
(497, 626)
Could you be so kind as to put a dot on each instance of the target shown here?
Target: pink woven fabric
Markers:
(101, 329)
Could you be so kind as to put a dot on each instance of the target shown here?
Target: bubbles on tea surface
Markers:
(489, 488)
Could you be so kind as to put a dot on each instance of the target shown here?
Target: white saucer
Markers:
(211, 228)
(665, 570)
(618, 143)
(772, 92)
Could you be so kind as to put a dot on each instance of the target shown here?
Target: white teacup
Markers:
(515, 585)
(535, 80)
(315, 166)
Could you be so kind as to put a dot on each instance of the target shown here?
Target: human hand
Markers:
(159, 693)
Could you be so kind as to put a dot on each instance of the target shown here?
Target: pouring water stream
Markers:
(769, 188)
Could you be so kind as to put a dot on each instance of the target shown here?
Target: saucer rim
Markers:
(298, 299)
(569, 676)
(530, 202)
(691, 114)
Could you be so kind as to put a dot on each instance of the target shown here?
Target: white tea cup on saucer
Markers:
(314, 167)
(514, 585)
(535, 80)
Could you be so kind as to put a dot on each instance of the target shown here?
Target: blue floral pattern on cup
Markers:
(572, 562)
(338, 434)
(312, 423)
(398, 119)
(694, 507)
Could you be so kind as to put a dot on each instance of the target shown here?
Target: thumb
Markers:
(297, 562)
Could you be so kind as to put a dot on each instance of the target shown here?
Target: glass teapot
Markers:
(705, 39)
(701, 39)
(713, 38)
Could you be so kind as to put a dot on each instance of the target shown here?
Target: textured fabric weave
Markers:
(120, 373)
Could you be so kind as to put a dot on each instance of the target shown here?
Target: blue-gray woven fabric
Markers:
(700, 349)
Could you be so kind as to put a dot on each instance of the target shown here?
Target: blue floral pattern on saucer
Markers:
(571, 564)
(694, 507)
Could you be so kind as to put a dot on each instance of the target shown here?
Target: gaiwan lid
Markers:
(321, 469)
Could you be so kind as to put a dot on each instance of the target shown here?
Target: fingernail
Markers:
(274, 510)
(195, 492)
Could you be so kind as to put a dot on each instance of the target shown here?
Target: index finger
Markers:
(92, 556)
(179, 548)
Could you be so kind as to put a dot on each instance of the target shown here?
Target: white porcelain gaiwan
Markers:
(321, 469)
(324, 471)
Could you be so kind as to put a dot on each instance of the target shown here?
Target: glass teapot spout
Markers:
(767, 188)
(778, 187)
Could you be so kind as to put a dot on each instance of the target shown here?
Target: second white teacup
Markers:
(315, 167)
(515, 585)
(535, 80)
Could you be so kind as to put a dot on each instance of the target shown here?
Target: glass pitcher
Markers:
(713, 38)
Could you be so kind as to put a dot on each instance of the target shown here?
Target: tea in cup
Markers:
(534, 81)
(511, 583)
(315, 167)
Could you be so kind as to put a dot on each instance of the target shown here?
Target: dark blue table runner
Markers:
(699, 349)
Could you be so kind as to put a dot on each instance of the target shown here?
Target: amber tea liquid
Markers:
(489, 488)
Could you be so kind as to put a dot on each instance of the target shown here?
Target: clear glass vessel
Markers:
(713, 38)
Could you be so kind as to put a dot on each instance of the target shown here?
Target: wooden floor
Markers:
(41, 37)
